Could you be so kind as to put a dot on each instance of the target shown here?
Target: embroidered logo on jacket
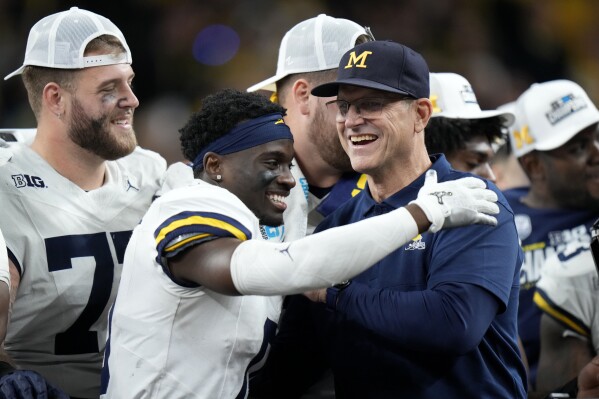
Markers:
(416, 244)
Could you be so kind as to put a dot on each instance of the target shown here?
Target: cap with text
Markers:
(59, 41)
(381, 65)
(315, 44)
(549, 115)
(453, 97)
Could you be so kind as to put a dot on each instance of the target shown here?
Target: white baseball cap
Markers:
(550, 114)
(453, 97)
(316, 44)
(59, 41)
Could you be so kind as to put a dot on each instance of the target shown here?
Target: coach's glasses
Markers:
(368, 108)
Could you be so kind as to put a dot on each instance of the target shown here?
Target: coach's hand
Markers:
(456, 202)
(27, 384)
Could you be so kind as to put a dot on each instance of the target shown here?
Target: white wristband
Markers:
(320, 260)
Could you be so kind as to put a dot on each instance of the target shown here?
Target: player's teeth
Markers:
(277, 198)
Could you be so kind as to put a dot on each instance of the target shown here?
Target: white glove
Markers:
(457, 202)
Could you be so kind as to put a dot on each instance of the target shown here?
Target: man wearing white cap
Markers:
(309, 55)
(458, 127)
(556, 142)
(506, 168)
(71, 199)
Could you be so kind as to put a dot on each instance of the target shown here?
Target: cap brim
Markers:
(331, 89)
(17, 72)
(560, 140)
(508, 116)
(269, 84)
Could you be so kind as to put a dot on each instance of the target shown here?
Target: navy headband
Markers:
(248, 134)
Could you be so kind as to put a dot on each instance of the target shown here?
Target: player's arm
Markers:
(256, 267)
(563, 354)
(209, 264)
(8, 291)
(588, 380)
(15, 383)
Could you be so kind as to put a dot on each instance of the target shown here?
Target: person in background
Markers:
(557, 144)
(72, 197)
(506, 168)
(198, 249)
(459, 129)
(567, 295)
(309, 55)
(380, 332)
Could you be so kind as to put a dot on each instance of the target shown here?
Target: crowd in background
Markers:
(502, 46)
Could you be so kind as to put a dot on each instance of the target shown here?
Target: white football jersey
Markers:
(69, 246)
(170, 340)
(4, 272)
(568, 291)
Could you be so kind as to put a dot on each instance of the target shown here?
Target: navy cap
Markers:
(381, 65)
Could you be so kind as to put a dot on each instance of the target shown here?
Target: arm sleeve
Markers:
(462, 311)
(319, 260)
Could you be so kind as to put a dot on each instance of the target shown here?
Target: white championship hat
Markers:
(550, 114)
(453, 97)
(316, 44)
(59, 41)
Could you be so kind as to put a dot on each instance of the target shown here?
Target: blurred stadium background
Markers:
(185, 49)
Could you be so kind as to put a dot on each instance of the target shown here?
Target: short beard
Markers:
(329, 146)
(94, 135)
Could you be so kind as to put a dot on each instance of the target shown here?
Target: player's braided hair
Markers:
(220, 112)
(446, 135)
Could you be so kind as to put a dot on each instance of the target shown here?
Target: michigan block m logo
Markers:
(522, 137)
(359, 61)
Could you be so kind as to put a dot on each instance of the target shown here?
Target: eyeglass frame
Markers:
(342, 118)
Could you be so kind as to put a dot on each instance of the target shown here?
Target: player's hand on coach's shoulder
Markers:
(28, 384)
(457, 202)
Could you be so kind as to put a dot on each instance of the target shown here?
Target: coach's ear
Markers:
(423, 109)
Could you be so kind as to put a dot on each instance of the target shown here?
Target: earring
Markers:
(218, 178)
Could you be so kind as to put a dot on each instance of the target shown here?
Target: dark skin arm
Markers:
(209, 264)
(588, 380)
(561, 358)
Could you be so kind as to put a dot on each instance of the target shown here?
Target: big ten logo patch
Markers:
(28, 181)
